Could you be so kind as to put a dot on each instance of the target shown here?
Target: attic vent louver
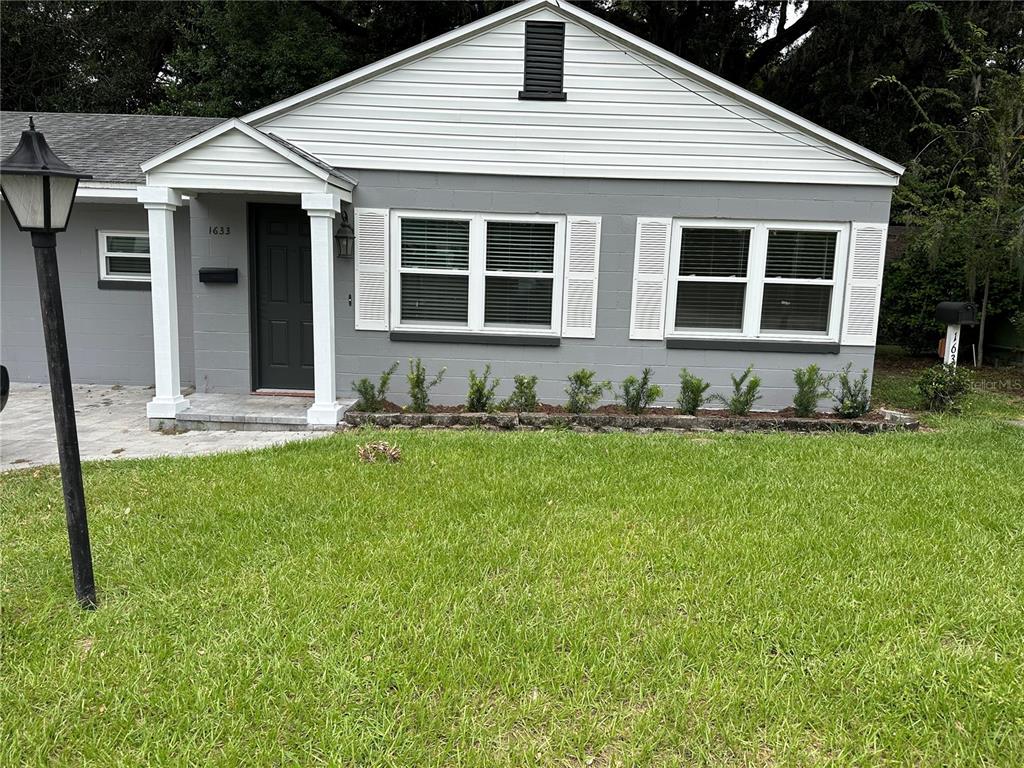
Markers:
(543, 61)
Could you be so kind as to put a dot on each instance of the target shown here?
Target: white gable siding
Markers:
(230, 161)
(457, 110)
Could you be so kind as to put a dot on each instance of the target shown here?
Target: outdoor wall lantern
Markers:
(345, 238)
(39, 189)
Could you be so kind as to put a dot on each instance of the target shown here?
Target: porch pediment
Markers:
(235, 157)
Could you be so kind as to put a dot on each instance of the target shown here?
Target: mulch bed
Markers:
(613, 409)
(614, 418)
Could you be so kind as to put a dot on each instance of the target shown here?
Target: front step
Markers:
(227, 413)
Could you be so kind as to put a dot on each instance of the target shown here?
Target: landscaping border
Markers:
(648, 422)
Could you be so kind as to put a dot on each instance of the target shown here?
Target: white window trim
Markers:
(755, 280)
(102, 235)
(477, 273)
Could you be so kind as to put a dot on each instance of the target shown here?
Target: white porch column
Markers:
(321, 209)
(160, 203)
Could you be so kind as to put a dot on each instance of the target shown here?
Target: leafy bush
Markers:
(811, 386)
(419, 388)
(583, 391)
(944, 387)
(691, 392)
(744, 392)
(638, 394)
(853, 397)
(371, 398)
(481, 391)
(524, 396)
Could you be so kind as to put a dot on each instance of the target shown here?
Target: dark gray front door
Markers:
(283, 298)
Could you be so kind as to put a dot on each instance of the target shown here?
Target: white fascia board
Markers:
(605, 29)
(396, 60)
(258, 136)
(106, 192)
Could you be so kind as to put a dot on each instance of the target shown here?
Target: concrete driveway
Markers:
(112, 424)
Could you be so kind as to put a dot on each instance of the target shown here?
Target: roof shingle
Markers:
(110, 147)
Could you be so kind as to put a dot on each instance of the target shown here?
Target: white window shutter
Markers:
(582, 263)
(864, 284)
(650, 277)
(371, 269)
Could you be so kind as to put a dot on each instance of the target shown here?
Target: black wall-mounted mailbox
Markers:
(218, 275)
(957, 313)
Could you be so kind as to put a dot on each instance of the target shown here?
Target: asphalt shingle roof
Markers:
(110, 147)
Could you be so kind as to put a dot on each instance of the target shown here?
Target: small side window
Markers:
(124, 256)
(543, 61)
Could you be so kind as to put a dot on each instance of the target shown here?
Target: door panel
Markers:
(283, 298)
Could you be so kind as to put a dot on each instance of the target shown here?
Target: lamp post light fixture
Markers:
(39, 189)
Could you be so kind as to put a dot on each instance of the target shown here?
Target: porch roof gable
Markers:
(234, 156)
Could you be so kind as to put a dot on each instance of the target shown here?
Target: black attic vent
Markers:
(544, 61)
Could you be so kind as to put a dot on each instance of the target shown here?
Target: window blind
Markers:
(714, 252)
(435, 243)
(800, 254)
(127, 265)
(442, 299)
(127, 244)
(795, 307)
(710, 305)
(520, 246)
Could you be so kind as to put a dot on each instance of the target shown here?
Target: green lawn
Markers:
(532, 599)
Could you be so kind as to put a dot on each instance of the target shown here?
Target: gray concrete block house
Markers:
(538, 190)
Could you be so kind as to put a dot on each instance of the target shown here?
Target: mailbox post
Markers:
(955, 314)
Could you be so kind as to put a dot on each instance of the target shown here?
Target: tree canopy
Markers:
(818, 58)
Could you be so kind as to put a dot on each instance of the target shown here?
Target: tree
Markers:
(86, 57)
(964, 191)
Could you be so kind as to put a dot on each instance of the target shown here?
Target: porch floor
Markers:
(211, 411)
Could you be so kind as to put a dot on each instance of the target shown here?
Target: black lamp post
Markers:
(39, 189)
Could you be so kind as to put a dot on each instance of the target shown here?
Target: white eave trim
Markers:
(341, 181)
(605, 29)
(90, 191)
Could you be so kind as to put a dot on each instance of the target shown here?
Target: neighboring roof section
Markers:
(110, 147)
(633, 110)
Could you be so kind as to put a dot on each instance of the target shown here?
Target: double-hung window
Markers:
(755, 279)
(124, 256)
(477, 272)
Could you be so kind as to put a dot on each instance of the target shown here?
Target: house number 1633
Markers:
(220, 230)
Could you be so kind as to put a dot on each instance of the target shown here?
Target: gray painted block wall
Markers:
(222, 324)
(110, 332)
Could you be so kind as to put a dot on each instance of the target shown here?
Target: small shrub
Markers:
(744, 392)
(371, 398)
(419, 387)
(638, 394)
(583, 391)
(944, 387)
(524, 396)
(481, 391)
(811, 386)
(853, 397)
(691, 392)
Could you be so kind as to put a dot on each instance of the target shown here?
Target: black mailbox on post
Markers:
(957, 313)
